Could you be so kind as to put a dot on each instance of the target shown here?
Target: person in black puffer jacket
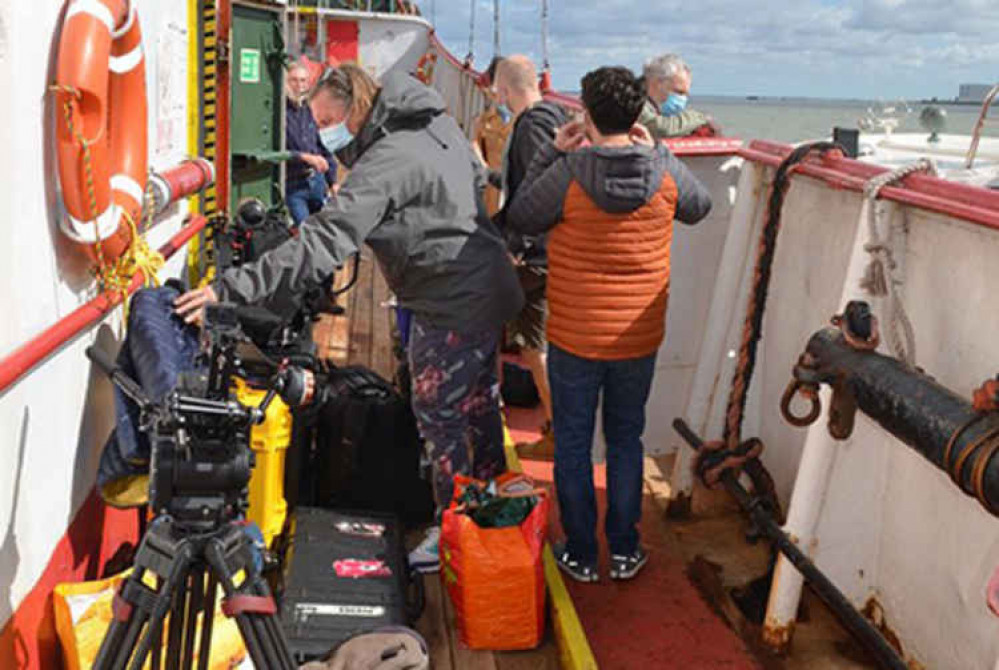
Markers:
(534, 128)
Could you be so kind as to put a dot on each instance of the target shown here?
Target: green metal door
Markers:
(257, 58)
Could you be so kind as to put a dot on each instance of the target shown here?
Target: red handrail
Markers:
(23, 359)
(969, 203)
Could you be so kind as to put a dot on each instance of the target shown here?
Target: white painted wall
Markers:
(891, 525)
(54, 422)
(392, 43)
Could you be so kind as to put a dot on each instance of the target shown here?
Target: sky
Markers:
(867, 49)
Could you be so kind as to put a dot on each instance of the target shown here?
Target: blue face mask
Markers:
(504, 112)
(336, 137)
(674, 104)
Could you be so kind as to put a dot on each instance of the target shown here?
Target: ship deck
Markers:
(679, 613)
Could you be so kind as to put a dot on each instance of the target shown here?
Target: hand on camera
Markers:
(191, 305)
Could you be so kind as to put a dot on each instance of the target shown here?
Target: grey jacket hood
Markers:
(619, 179)
(402, 103)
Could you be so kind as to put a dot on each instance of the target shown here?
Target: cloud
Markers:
(840, 48)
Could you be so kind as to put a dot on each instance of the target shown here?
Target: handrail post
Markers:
(976, 135)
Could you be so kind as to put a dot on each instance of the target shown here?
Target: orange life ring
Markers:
(425, 67)
(101, 131)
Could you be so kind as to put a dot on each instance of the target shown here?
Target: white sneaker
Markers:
(426, 557)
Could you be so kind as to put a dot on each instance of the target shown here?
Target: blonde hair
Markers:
(351, 84)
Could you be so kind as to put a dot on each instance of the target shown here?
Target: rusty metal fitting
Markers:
(986, 397)
(842, 411)
(810, 392)
(859, 326)
(806, 370)
(713, 460)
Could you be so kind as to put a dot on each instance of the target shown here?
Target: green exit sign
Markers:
(249, 66)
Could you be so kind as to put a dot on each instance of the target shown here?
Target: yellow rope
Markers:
(138, 257)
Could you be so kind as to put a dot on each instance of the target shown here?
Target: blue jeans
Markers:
(576, 385)
(305, 197)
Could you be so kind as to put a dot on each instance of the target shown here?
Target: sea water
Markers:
(800, 119)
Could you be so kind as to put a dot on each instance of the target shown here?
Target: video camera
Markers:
(201, 459)
(283, 331)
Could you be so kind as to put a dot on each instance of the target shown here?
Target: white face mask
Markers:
(336, 137)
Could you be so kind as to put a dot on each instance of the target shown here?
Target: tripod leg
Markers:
(119, 640)
(195, 606)
(141, 609)
(249, 601)
(157, 660)
(205, 649)
(178, 623)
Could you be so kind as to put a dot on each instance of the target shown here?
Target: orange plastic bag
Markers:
(495, 577)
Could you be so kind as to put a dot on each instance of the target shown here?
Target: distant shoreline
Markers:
(708, 97)
(807, 99)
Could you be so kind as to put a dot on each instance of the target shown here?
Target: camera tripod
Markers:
(199, 470)
(188, 570)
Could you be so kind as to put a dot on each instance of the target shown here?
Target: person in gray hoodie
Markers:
(608, 210)
(414, 194)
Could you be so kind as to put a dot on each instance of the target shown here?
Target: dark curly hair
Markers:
(614, 97)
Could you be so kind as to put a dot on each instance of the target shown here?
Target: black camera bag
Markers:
(321, 608)
(368, 449)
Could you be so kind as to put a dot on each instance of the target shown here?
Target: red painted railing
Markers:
(23, 359)
(970, 203)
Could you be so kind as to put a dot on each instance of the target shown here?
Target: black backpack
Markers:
(518, 388)
(368, 449)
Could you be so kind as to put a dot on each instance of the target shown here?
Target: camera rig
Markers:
(201, 465)
(201, 461)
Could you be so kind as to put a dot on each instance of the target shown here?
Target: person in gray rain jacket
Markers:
(414, 195)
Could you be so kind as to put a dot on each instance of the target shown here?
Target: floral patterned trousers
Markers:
(456, 402)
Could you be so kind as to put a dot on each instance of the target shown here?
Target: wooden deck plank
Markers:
(360, 313)
(536, 659)
(465, 658)
(382, 357)
(433, 625)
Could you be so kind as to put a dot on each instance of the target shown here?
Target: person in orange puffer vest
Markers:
(608, 195)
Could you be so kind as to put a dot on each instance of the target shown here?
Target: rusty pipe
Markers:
(932, 419)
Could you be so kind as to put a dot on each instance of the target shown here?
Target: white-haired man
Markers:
(311, 170)
(667, 84)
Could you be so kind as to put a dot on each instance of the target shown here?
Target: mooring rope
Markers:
(880, 279)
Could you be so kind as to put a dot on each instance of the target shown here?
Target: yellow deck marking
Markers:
(573, 648)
